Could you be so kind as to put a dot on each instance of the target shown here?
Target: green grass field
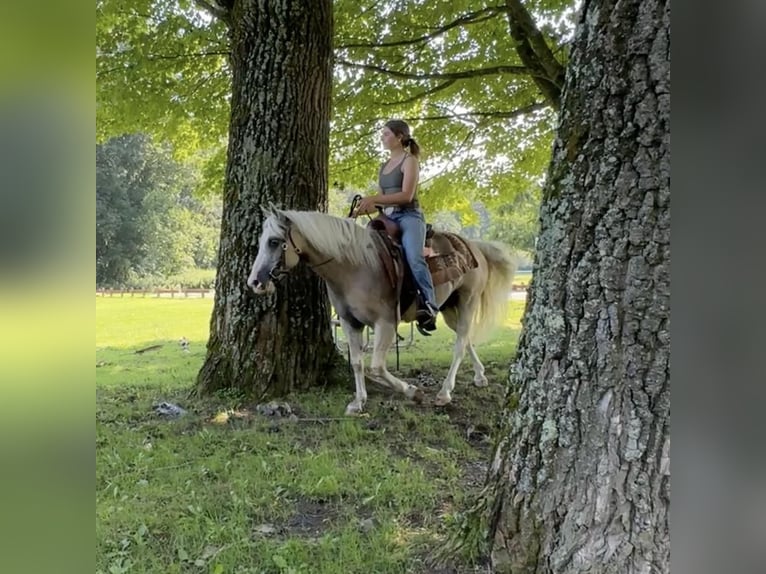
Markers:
(522, 278)
(224, 489)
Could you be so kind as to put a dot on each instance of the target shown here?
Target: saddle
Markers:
(451, 258)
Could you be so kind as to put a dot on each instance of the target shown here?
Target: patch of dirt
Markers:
(310, 520)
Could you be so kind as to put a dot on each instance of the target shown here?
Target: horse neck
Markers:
(337, 274)
(324, 266)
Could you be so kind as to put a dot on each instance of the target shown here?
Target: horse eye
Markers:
(274, 242)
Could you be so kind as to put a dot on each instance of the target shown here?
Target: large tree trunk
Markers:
(580, 478)
(278, 152)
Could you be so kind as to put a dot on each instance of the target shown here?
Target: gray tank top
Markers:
(392, 183)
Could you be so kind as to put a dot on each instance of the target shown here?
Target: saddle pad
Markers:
(453, 259)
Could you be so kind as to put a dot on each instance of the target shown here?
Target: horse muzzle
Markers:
(261, 283)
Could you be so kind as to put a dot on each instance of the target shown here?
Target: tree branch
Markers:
(504, 114)
(470, 18)
(152, 57)
(219, 9)
(421, 95)
(518, 70)
(188, 55)
(464, 145)
(535, 53)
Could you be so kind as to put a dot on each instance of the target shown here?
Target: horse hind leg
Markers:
(384, 336)
(459, 320)
(450, 316)
(479, 378)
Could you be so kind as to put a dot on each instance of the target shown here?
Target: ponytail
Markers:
(401, 129)
(413, 146)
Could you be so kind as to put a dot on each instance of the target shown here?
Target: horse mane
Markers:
(341, 239)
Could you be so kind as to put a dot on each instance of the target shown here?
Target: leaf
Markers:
(183, 556)
(279, 561)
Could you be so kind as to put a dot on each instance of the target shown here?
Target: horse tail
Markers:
(501, 268)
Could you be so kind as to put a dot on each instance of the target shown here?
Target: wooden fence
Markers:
(196, 292)
(156, 292)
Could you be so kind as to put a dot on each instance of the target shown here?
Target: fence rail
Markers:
(201, 292)
(156, 292)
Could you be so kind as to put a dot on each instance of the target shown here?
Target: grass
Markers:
(522, 278)
(224, 489)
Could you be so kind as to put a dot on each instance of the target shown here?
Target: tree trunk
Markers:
(580, 479)
(278, 152)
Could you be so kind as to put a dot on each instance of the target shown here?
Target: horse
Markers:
(346, 256)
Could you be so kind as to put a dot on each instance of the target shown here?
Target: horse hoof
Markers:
(480, 381)
(353, 410)
(441, 400)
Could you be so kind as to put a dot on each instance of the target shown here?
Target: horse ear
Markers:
(281, 217)
(275, 211)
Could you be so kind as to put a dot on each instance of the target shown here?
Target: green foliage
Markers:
(483, 132)
(449, 68)
(148, 222)
(161, 68)
(516, 223)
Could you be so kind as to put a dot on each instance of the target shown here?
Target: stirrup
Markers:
(426, 320)
(423, 326)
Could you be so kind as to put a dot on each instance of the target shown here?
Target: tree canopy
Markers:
(479, 85)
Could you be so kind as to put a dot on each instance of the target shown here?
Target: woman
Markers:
(398, 181)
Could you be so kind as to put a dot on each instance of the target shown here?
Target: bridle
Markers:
(279, 270)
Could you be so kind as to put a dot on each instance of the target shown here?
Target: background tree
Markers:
(129, 170)
(580, 478)
(278, 152)
(516, 223)
(149, 223)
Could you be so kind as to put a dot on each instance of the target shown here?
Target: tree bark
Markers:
(580, 479)
(281, 59)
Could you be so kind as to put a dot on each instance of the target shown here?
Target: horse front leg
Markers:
(355, 341)
(385, 332)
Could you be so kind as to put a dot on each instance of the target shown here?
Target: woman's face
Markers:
(389, 139)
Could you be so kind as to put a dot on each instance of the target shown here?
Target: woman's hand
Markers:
(366, 205)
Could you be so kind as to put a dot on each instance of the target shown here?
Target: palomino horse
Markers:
(345, 255)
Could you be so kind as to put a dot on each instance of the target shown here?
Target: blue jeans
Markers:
(413, 226)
